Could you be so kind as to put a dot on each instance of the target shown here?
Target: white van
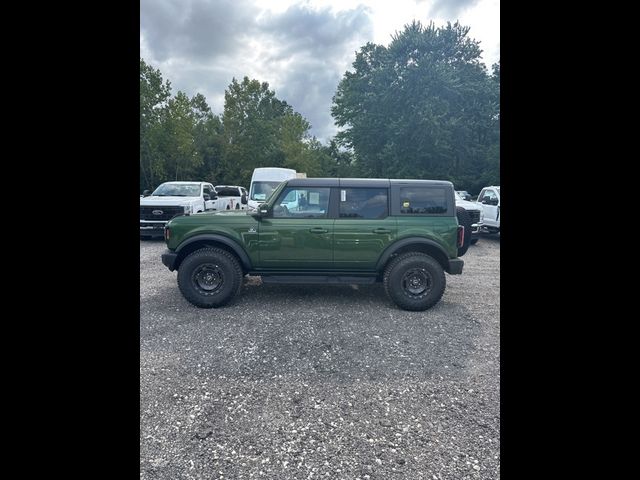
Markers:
(264, 181)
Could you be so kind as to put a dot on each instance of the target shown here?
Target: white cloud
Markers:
(302, 48)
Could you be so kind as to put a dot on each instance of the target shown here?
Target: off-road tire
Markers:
(210, 277)
(465, 220)
(399, 273)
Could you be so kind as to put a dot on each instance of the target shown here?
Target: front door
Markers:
(490, 200)
(297, 234)
(363, 228)
(209, 190)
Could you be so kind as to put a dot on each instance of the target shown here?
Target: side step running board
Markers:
(317, 279)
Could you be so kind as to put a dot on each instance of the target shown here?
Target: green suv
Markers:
(404, 233)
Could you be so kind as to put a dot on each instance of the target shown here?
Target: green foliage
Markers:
(154, 94)
(422, 108)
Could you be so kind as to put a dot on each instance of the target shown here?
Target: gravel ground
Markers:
(297, 382)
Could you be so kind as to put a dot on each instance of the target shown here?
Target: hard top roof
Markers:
(363, 182)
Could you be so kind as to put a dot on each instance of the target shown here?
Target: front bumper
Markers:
(152, 228)
(455, 266)
(169, 259)
(475, 229)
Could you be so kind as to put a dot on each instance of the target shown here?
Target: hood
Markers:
(153, 201)
(468, 205)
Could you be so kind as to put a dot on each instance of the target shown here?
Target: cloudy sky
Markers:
(300, 47)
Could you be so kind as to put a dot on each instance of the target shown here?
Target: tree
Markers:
(177, 145)
(259, 130)
(154, 93)
(424, 107)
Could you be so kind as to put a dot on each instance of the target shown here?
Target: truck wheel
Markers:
(237, 206)
(414, 281)
(465, 221)
(228, 207)
(209, 277)
(474, 241)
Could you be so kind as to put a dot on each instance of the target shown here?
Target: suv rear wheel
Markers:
(414, 281)
(209, 277)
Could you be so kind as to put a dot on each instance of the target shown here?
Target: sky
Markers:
(302, 48)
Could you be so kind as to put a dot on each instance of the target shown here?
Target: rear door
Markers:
(363, 227)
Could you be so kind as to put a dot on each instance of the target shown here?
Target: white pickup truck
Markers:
(489, 199)
(476, 216)
(171, 199)
(231, 197)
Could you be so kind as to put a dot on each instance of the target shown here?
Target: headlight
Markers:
(482, 215)
(187, 209)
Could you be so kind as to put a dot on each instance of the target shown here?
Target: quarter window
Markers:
(367, 203)
(421, 200)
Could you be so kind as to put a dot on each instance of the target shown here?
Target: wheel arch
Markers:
(414, 244)
(212, 240)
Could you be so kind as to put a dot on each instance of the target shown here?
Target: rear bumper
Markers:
(169, 259)
(455, 266)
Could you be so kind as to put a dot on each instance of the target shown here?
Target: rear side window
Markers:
(423, 201)
(367, 203)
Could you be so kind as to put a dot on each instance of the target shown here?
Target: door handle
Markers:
(318, 230)
(381, 230)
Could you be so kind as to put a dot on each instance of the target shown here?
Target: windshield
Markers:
(177, 190)
(261, 191)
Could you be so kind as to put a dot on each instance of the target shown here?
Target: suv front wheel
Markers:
(209, 277)
(414, 281)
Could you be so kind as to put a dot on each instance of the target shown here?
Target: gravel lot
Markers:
(293, 382)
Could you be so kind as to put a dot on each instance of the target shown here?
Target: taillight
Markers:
(460, 235)
(167, 233)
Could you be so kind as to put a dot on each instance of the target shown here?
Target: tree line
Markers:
(423, 107)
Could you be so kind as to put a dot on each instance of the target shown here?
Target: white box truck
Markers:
(264, 181)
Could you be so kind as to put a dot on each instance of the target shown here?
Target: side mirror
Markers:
(243, 199)
(261, 211)
(206, 196)
(146, 193)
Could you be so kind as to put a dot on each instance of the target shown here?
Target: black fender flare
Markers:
(394, 247)
(212, 237)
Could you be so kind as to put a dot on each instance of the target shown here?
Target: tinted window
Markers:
(227, 191)
(302, 202)
(368, 203)
(421, 200)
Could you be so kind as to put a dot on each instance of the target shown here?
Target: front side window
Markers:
(368, 203)
(489, 196)
(421, 200)
(302, 202)
(207, 189)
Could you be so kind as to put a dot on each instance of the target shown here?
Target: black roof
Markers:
(362, 182)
